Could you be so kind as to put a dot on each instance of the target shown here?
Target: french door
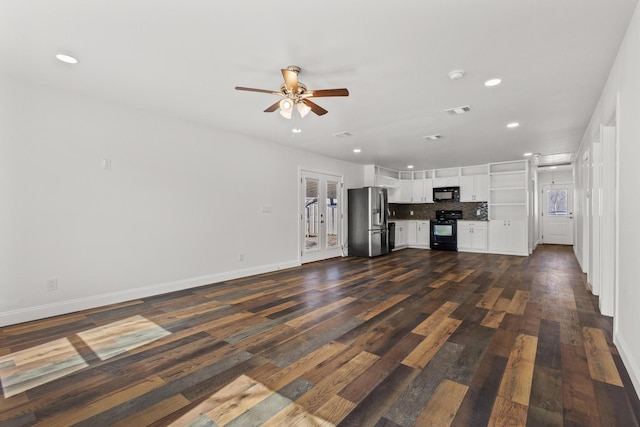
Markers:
(321, 216)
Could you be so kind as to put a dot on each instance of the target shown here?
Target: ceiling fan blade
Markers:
(250, 89)
(315, 107)
(325, 92)
(290, 80)
(273, 107)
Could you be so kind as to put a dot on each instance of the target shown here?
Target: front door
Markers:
(557, 214)
(321, 218)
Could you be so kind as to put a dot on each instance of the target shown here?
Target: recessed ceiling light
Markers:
(342, 134)
(357, 150)
(456, 74)
(492, 82)
(513, 125)
(296, 130)
(432, 137)
(66, 58)
(410, 167)
(528, 154)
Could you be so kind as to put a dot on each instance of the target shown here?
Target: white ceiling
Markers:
(184, 57)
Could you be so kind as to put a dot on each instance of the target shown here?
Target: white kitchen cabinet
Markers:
(474, 188)
(423, 233)
(472, 236)
(446, 177)
(417, 189)
(508, 237)
(451, 181)
(428, 190)
(412, 232)
(422, 189)
(405, 188)
(401, 234)
(393, 194)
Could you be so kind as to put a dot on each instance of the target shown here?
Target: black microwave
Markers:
(446, 194)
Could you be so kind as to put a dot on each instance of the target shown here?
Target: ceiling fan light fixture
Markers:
(303, 109)
(286, 107)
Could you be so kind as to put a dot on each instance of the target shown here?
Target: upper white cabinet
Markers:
(474, 184)
(377, 176)
(446, 177)
(422, 187)
(406, 188)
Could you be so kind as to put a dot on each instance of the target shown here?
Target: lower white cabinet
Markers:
(423, 234)
(412, 231)
(416, 233)
(401, 234)
(472, 236)
(508, 236)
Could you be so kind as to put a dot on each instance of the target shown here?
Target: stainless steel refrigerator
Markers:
(367, 221)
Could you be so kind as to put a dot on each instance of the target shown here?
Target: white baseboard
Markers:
(28, 314)
(629, 363)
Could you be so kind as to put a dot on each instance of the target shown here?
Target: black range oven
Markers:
(444, 230)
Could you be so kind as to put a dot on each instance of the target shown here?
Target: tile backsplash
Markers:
(475, 211)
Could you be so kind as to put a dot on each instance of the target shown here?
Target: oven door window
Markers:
(443, 230)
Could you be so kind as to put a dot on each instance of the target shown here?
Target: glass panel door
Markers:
(332, 215)
(321, 216)
(312, 215)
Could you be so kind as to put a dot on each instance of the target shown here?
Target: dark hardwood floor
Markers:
(417, 337)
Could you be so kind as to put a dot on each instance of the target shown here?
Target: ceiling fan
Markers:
(295, 93)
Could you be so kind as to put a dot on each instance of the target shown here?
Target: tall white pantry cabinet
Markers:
(509, 207)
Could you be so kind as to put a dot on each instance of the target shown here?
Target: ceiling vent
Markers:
(458, 110)
(432, 137)
(560, 159)
(343, 134)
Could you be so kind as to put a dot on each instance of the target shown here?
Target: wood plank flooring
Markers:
(417, 337)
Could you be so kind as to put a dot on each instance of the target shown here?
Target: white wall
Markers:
(179, 205)
(623, 85)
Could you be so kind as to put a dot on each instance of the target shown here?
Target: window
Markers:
(556, 202)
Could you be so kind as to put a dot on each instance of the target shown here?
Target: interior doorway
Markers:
(321, 216)
(557, 214)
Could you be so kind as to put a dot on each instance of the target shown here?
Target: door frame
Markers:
(323, 253)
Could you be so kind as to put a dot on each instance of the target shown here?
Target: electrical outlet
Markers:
(240, 257)
(411, 213)
(52, 285)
